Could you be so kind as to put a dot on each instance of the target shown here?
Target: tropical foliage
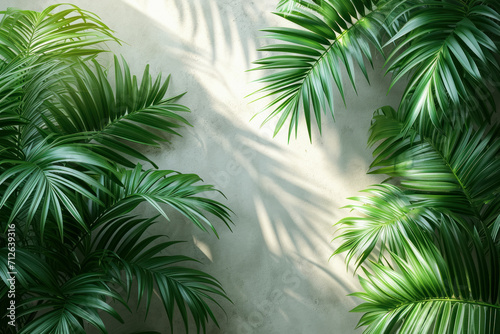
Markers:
(448, 57)
(427, 240)
(70, 181)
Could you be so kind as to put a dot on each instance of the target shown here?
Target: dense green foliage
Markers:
(69, 182)
(427, 239)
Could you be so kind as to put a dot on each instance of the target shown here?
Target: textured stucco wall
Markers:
(275, 264)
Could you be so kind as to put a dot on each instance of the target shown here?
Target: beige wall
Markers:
(275, 264)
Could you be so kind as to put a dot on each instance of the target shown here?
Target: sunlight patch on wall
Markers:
(267, 227)
(204, 248)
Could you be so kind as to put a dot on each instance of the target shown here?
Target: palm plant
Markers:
(70, 181)
(428, 238)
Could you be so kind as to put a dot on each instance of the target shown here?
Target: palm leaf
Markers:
(452, 288)
(334, 34)
(39, 83)
(29, 270)
(25, 86)
(448, 47)
(37, 46)
(45, 180)
(457, 169)
(178, 191)
(69, 32)
(120, 246)
(118, 118)
(64, 307)
(11, 120)
(389, 215)
(25, 270)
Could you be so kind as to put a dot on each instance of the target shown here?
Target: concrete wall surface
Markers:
(275, 264)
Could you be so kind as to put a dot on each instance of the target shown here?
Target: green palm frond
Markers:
(116, 118)
(25, 270)
(38, 85)
(333, 35)
(68, 32)
(180, 192)
(457, 169)
(121, 246)
(448, 47)
(33, 266)
(388, 216)
(33, 50)
(25, 86)
(11, 75)
(451, 288)
(10, 101)
(47, 177)
(64, 307)
(29, 269)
